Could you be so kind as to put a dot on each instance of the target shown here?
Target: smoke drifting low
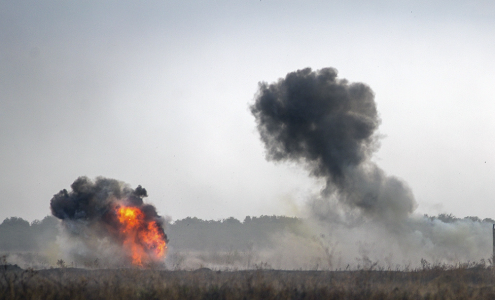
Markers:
(107, 218)
(330, 126)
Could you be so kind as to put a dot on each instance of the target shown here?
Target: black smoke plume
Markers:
(330, 125)
(89, 211)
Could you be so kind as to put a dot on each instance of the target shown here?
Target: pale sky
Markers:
(156, 93)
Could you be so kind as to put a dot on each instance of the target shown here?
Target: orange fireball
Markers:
(144, 239)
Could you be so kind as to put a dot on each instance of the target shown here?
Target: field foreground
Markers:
(72, 283)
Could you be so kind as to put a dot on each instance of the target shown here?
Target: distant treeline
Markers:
(450, 218)
(17, 234)
(197, 234)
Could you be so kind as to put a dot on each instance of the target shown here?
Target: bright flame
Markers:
(144, 239)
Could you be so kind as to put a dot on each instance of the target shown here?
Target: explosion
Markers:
(108, 219)
(143, 239)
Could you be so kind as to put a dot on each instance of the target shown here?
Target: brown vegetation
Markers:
(470, 281)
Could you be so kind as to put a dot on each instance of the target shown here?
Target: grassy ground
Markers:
(71, 283)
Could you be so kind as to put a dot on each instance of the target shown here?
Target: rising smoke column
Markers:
(329, 124)
(109, 211)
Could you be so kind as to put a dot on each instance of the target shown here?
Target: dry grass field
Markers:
(439, 282)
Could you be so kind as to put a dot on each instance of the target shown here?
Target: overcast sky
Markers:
(156, 93)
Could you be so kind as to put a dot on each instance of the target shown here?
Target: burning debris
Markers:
(107, 213)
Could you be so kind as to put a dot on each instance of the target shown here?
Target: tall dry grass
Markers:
(463, 281)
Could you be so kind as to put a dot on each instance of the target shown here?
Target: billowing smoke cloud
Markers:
(330, 125)
(107, 213)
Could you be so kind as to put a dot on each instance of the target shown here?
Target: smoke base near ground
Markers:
(275, 242)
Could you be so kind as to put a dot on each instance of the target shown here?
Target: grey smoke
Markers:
(89, 217)
(94, 201)
(361, 215)
(329, 125)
